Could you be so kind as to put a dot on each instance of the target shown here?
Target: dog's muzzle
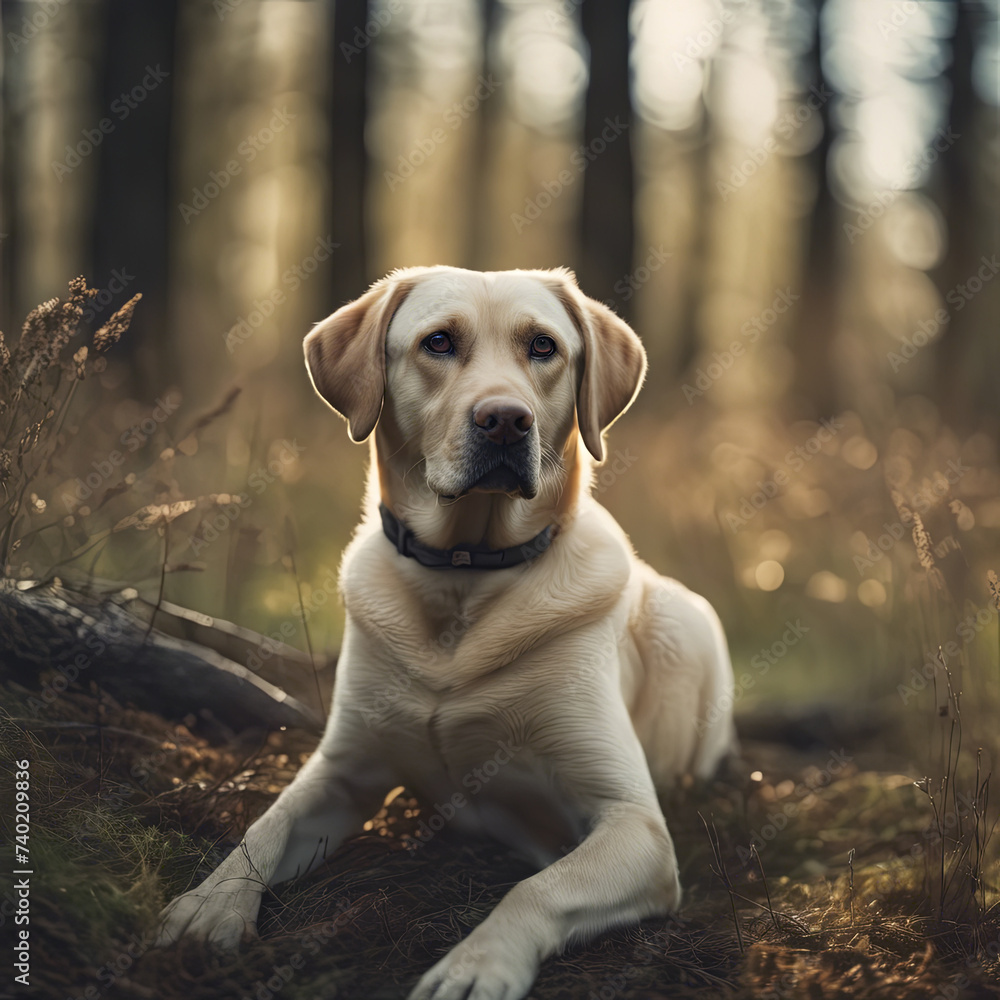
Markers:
(502, 453)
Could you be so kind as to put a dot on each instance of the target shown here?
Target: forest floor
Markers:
(841, 898)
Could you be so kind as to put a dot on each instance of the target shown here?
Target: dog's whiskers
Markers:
(398, 450)
(415, 465)
(552, 460)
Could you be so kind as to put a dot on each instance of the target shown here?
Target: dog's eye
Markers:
(543, 347)
(438, 343)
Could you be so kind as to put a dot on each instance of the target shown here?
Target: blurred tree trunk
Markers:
(478, 215)
(606, 228)
(686, 351)
(958, 203)
(135, 204)
(815, 332)
(348, 157)
(44, 104)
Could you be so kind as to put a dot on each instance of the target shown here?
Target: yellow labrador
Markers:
(506, 655)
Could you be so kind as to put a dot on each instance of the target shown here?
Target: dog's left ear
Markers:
(614, 363)
(345, 354)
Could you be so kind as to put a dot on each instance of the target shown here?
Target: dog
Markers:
(495, 614)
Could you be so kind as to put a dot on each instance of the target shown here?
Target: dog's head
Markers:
(480, 378)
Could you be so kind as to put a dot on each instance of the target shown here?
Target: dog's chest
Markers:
(424, 628)
(478, 771)
(470, 756)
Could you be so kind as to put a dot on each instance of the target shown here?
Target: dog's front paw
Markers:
(482, 967)
(222, 918)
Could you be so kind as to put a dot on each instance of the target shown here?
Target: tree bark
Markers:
(90, 638)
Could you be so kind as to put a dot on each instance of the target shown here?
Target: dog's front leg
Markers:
(623, 871)
(328, 800)
(625, 867)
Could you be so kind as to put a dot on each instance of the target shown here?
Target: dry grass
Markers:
(38, 380)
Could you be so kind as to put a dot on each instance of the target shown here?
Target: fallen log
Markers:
(44, 626)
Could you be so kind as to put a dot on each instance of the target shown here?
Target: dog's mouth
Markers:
(503, 479)
(506, 470)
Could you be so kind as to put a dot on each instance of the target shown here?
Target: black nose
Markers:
(502, 420)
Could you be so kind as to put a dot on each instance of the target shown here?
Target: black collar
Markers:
(470, 557)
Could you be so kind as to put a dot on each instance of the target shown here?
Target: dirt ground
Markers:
(841, 896)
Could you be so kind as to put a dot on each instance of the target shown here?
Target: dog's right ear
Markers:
(345, 354)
